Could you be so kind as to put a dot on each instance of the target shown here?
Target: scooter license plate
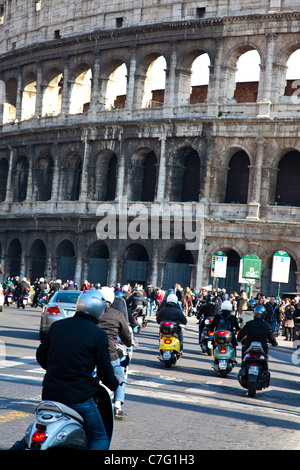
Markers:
(223, 364)
(209, 345)
(167, 355)
(24, 302)
(253, 370)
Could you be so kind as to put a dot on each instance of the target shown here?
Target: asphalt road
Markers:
(188, 407)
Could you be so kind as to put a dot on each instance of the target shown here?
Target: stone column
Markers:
(160, 193)
(29, 192)
(131, 91)
(55, 179)
(19, 96)
(65, 104)
(39, 90)
(255, 180)
(169, 99)
(95, 88)
(84, 178)
(9, 187)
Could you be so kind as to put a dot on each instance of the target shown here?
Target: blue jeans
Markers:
(273, 324)
(98, 439)
(150, 306)
(119, 394)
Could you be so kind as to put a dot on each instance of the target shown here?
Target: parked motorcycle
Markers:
(59, 427)
(254, 374)
(169, 344)
(207, 337)
(224, 353)
(140, 315)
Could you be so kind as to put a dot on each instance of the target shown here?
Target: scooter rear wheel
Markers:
(168, 363)
(252, 389)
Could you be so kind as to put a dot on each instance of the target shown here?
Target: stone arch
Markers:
(238, 178)
(52, 96)
(136, 264)
(29, 96)
(71, 177)
(142, 178)
(37, 254)
(287, 187)
(20, 178)
(10, 104)
(116, 86)
(80, 94)
(155, 66)
(104, 180)
(184, 184)
(231, 282)
(43, 176)
(98, 259)
(14, 255)
(178, 266)
(65, 256)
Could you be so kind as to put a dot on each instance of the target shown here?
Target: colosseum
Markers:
(130, 127)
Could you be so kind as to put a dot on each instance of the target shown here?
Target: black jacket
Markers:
(257, 330)
(273, 312)
(114, 323)
(135, 300)
(171, 313)
(69, 352)
(233, 322)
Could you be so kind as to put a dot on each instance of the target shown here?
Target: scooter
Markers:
(59, 427)
(140, 316)
(8, 298)
(224, 353)
(169, 344)
(207, 337)
(254, 374)
(22, 301)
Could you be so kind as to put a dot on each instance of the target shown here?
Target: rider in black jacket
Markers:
(257, 330)
(70, 352)
(172, 312)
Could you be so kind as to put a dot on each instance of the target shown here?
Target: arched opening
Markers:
(29, 97)
(238, 179)
(65, 255)
(9, 109)
(287, 189)
(43, 175)
(155, 82)
(3, 178)
(14, 254)
(143, 175)
(177, 268)
(116, 87)
(136, 264)
(38, 259)
(98, 259)
(199, 79)
(191, 178)
(72, 173)
(247, 77)
(52, 98)
(292, 78)
(81, 90)
(184, 184)
(20, 178)
(104, 180)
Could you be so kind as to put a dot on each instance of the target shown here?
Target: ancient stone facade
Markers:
(80, 146)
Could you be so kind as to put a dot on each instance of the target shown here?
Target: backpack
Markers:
(224, 323)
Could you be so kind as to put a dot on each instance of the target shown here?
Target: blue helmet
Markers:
(260, 312)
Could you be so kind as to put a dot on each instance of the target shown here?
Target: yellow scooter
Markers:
(169, 344)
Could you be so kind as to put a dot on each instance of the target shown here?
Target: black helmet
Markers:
(260, 312)
(91, 302)
(251, 304)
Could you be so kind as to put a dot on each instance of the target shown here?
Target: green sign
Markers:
(251, 267)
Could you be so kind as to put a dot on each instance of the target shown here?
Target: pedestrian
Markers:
(272, 313)
(288, 321)
(242, 302)
(114, 323)
(188, 297)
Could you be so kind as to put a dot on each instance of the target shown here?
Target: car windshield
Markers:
(66, 297)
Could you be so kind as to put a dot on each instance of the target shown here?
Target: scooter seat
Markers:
(55, 405)
(71, 412)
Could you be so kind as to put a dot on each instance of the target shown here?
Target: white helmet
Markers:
(125, 288)
(172, 299)
(42, 279)
(108, 294)
(226, 305)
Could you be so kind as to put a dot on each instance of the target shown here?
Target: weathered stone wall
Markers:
(63, 160)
